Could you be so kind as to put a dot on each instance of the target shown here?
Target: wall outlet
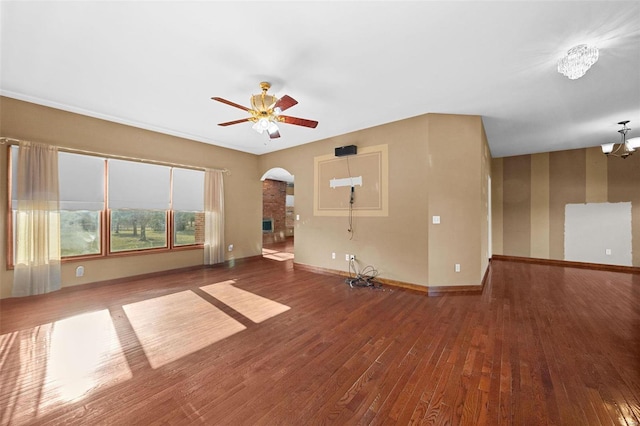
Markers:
(333, 255)
(79, 271)
(607, 252)
(352, 257)
(436, 220)
(297, 217)
(457, 267)
(346, 257)
(230, 248)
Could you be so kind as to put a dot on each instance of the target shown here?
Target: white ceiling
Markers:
(351, 65)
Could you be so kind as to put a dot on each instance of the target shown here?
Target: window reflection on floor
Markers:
(83, 348)
(58, 363)
(47, 366)
(276, 255)
(172, 326)
(252, 306)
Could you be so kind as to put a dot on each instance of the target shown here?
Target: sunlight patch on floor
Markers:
(252, 306)
(59, 362)
(280, 256)
(82, 347)
(172, 326)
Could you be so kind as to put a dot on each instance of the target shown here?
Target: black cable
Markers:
(350, 230)
(364, 278)
(351, 199)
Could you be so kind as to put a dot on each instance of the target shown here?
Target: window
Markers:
(137, 230)
(80, 233)
(147, 206)
(188, 207)
(139, 197)
(81, 180)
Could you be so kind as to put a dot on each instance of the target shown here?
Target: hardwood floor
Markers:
(282, 250)
(264, 343)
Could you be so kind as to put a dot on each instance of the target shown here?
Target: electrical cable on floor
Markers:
(364, 278)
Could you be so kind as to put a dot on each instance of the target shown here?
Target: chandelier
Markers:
(577, 61)
(626, 147)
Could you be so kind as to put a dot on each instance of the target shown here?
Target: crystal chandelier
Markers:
(577, 61)
(626, 147)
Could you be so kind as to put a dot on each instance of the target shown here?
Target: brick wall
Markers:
(273, 206)
(199, 228)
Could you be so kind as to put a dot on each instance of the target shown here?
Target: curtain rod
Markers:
(11, 141)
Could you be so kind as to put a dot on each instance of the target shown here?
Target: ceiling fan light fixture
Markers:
(272, 129)
(261, 125)
(577, 61)
(263, 102)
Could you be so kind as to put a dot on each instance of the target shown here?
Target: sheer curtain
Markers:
(37, 264)
(213, 217)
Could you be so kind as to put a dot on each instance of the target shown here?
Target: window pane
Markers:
(188, 228)
(188, 190)
(138, 185)
(138, 229)
(81, 182)
(79, 233)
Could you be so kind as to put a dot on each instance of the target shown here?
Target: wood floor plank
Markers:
(541, 345)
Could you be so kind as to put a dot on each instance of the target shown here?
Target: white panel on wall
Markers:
(598, 233)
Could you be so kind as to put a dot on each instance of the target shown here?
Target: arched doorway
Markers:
(278, 214)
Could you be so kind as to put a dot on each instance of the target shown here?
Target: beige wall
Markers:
(398, 252)
(457, 178)
(427, 176)
(22, 120)
(530, 193)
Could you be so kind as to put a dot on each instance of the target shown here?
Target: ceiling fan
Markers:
(266, 112)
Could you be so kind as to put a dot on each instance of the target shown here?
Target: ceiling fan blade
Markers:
(233, 104)
(229, 123)
(285, 102)
(298, 121)
(274, 134)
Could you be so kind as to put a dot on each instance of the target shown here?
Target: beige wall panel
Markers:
(623, 177)
(596, 176)
(517, 205)
(540, 206)
(567, 183)
(497, 217)
(370, 173)
(396, 245)
(23, 120)
(455, 192)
